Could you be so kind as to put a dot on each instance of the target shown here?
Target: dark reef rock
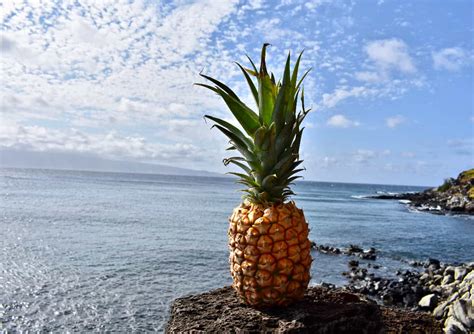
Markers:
(354, 250)
(323, 310)
(455, 196)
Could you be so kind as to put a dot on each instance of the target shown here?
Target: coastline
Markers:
(455, 196)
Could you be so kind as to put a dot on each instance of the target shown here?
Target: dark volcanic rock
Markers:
(323, 310)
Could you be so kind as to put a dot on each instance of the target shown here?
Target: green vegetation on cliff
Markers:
(462, 186)
(464, 180)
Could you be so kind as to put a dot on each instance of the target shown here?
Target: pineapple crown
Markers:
(270, 143)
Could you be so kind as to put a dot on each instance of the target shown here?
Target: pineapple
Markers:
(270, 256)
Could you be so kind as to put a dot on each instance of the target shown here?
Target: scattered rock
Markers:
(355, 249)
(325, 249)
(368, 256)
(353, 263)
(433, 286)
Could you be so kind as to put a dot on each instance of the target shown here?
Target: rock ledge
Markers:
(323, 310)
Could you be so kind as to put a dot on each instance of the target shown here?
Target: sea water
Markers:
(89, 251)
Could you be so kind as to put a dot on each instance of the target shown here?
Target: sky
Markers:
(391, 85)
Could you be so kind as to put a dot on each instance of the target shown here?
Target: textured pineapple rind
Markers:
(270, 256)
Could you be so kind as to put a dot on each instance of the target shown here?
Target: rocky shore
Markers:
(455, 196)
(446, 291)
(432, 297)
(323, 310)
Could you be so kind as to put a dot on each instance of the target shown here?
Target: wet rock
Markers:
(428, 302)
(353, 263)
(354, 249)
(433, 263)
(325, 249)
(368, 256)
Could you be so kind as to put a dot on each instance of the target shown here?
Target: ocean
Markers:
(90, 251)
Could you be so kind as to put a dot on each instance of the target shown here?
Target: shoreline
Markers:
(443, 290)
(454, 196)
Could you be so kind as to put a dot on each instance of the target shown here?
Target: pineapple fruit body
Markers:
(270, 256)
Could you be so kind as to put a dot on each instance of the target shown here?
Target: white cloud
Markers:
(366, 156)
(451, 59)
(104, 60)
(110, 144)
(312, 5)
(273, 31)
(340, 94)
(341, 121)
(393, 122)
(390, 54)
(370, 76)
(328, 162)
(363, 155)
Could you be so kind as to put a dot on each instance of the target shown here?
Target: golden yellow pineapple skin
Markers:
(270, 257)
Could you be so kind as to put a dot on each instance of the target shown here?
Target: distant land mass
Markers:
(68, 161)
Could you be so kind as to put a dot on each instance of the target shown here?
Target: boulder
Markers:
(452, 326)
(459, 273)
(447, 279)
(440, 311)
(449, 270)
(323, 310)
(463, 311)
(428, 302)
(433, 263)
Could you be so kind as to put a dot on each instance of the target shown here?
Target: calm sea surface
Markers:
(83, 251)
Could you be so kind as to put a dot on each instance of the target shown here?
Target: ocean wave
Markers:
(360, 196)
(380, 192)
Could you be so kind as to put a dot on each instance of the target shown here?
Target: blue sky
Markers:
(391, 82)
